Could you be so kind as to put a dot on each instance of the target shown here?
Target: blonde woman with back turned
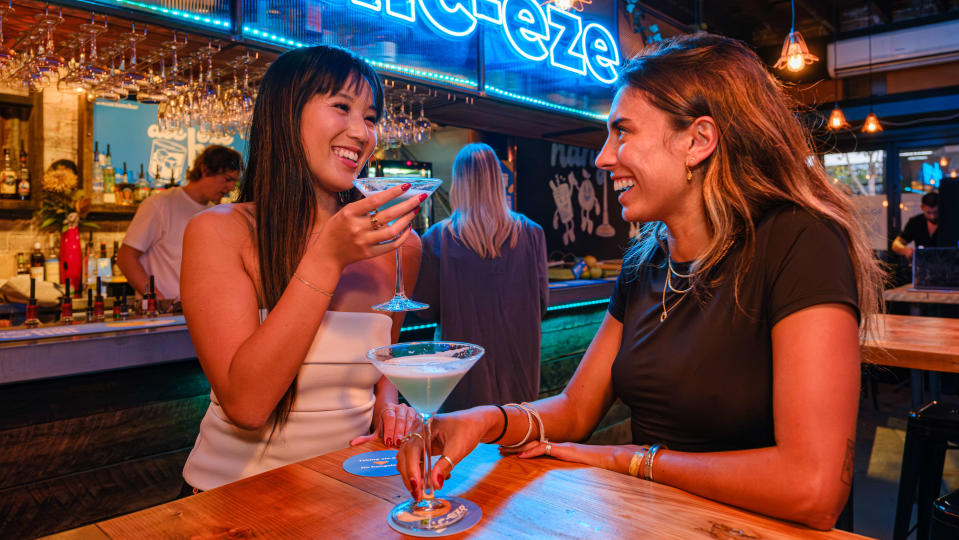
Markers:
(483, 273)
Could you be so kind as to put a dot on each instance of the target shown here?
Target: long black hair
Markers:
(278, 178)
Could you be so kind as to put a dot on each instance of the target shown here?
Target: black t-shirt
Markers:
(701, 380)
(917, 231)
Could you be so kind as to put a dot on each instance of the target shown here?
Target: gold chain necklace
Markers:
(669, 285)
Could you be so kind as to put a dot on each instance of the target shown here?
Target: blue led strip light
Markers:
(578, 304)
(418, 327)
(543, 103)
(375, 63)
(177, 13)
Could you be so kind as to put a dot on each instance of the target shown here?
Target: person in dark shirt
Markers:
(483, 274)
(733, 330)
(922, 228)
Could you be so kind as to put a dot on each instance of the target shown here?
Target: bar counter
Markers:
(88, 421)
(534, 498)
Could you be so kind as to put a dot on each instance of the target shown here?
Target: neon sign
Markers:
(555, 36)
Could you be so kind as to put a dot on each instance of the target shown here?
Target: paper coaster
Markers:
(473, 515)
(379, 463)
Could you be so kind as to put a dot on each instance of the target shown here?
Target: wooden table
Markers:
(907, 294)
(542, 498)
(929, 343)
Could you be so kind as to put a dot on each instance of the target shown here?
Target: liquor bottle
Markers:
(172, 183)
(124, 307)
(97, 175)
(126, 187)
(151, 299)
(104, 267)
(98, 303)
(158, 185)
(23, 266)
(89, 263)
(109, 179)
(33, 314)
(8, 188)
(114, 262)
(90, 304)
(36, 262)
(51, 264)
(142, 187)
(24, 188)
(66, 305)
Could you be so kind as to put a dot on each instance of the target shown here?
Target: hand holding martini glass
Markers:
(425, 372)
(418, 186)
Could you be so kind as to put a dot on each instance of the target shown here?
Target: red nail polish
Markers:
(423, 197)
(417, 211)
(406, 186)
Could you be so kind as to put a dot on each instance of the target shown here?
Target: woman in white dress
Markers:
(277, 288)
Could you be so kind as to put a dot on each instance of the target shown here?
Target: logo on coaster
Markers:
(379, 463)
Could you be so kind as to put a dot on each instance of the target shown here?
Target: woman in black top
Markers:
(733, 330)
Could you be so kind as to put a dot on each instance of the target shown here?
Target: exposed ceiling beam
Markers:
(814, 10)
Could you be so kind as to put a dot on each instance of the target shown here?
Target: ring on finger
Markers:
(549, 447)
(410, 436)
(375, 222)
(450, 461)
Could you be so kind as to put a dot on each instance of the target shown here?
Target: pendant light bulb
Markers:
(795, 54)
(837, 120)
(871, 124)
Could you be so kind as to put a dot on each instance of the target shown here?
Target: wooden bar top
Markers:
(540, 498)
(930, 343)
(908, 294)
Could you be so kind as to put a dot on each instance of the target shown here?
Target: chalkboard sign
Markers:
(559, 187)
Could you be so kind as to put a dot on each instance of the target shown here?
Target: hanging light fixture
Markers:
(837, 120)
(871, 125)
(795, 54)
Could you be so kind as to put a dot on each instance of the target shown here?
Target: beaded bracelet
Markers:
(650, 456)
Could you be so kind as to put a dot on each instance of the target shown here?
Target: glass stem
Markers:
(427, 452)
(399, 273)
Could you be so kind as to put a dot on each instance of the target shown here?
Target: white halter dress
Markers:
(334, 404)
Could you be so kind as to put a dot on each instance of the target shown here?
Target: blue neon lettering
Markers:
(368, 4)
(526, 28)
(402, 9)
(565, 51)
(602, 55)
(488, 10)
(455, 20)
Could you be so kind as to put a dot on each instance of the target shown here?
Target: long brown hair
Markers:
(764, 157)
(481, 218)
(278, 179)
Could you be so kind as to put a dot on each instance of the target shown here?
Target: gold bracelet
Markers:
(312, 286)
(635, 462)
(650, 457)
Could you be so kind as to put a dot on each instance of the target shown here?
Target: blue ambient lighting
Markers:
(573, 305)
(176, 13)
(417, 327)
(545, 104)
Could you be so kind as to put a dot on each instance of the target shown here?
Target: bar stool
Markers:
(945, 517)
(928, 432)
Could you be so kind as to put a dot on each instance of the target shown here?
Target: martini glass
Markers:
(425, 372)
(418, 186)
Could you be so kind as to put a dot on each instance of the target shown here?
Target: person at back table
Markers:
(153, 244)
(277, 287)
(732, 333)
(483, 273)
(922, 229)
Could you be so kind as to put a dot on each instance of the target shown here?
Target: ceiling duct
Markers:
(899, 49)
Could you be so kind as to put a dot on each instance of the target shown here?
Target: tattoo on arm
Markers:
(847, 468)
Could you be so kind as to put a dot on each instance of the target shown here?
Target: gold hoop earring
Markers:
(689, 172)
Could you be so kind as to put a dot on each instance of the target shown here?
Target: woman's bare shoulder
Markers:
(234, 222)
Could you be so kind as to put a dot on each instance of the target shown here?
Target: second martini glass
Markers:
(418, 186)
(425, 372)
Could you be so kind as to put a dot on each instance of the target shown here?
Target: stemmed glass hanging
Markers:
(422, 127)
(7, 55)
